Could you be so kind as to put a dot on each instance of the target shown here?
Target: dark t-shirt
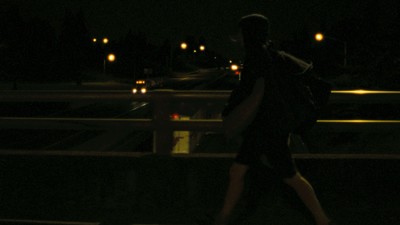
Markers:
(265, 136)
(274, 66)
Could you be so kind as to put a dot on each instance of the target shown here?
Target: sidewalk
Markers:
(188, 189)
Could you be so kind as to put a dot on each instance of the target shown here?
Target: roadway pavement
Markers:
(177, 80)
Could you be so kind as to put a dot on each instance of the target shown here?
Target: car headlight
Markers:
(234, 67)
(134, 90)
(143, 90)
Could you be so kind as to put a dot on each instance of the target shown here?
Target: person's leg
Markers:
(306, 193)
(235, 188)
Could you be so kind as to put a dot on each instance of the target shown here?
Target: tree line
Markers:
(370, 38)
(33, 51)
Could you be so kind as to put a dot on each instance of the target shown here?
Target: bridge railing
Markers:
(161, 122)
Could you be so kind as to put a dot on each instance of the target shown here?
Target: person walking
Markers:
(253, 115)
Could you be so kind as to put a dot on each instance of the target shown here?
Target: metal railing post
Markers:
(163, 133)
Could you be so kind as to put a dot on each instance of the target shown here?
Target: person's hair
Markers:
(255, 30)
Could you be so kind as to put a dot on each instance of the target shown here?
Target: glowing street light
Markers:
(184, 46)
(111, 58)
(202, 48)
(319, 37)
(104, 40)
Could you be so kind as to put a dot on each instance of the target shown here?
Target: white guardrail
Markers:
(161, 123)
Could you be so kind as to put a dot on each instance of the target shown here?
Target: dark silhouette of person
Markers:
(264, 135)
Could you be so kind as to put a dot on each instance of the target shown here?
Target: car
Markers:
(236, 70)
(140, 87)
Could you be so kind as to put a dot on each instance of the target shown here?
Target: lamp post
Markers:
(321, 37)
(111, 58)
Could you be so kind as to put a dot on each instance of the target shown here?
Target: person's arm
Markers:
(245, 112)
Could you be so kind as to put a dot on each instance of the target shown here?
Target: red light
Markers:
(237, 73)
(175, 116)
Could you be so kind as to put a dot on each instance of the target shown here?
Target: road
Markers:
(100, 140)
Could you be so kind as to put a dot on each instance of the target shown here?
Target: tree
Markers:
(133, 51)
(39, 44)
(12, 43)
(73, 46)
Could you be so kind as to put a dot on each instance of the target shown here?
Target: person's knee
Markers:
(237, 172)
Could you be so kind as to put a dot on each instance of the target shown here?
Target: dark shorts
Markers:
(275, 149)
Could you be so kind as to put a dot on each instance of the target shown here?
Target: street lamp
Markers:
(104, 40)
(111, 58)
(202, 48)
(184, 46)
(321, 37)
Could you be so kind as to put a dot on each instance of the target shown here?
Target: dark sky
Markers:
(174, 19)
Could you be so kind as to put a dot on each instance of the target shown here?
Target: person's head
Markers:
(255, 30)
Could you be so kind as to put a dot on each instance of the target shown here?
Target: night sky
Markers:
(175, 19)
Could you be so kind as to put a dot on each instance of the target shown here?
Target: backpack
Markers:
(299, 94)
